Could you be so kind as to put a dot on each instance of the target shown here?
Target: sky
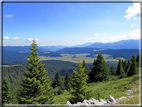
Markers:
(69, 24)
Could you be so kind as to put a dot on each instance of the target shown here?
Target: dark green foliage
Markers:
(133, 66)
(100, 70)
(67, 80)
(125, 66)
(35, 88)
(120, 70)
(79, 79)
(112, 70)
(5, 92)
(137, 60)
(87, 71)
(57, 81)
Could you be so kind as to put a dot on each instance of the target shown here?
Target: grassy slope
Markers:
(116, 88)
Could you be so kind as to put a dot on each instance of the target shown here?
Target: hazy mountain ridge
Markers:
(123, 44)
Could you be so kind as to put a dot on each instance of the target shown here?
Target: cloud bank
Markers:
(9, 15)
(31, 39)
(6, 37)
(133, 12)
(15, 38)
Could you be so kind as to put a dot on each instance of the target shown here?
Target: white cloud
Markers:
(133, 25)
(132, 35)
(31, 39)
(104, 33)
(6, 37)
(9, 15)
(15, 38)
(133, 12)
(96, 35)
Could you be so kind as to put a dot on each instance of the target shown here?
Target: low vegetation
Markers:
(116, 88)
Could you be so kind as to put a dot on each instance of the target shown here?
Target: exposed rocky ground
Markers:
(109, 102)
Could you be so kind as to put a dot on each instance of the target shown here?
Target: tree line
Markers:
(36, 87)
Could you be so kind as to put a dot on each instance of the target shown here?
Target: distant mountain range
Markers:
(123, 44)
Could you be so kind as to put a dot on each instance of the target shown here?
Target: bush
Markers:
(112, 77)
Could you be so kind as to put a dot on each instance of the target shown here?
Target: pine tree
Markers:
(36, 87)
(100, 70)
(133, 66)
(119, 70)
(87, 71)
(78, 83)
(125, 66)
(137, 60)
(5, 92)
(112, 70)
(57, 81)
(67, 80)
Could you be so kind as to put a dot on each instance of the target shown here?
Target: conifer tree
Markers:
(119, 70)
(93, 72)
(87, 71)
(36, 87)
(125, 66)
(112, 70)
(133, 66)
(78, 83)
(137, 60)
(57, 81)
(100, 70)
(67, 80)
(5, 92)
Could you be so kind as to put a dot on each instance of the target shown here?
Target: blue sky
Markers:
(69, 24)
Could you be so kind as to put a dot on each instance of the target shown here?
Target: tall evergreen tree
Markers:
(57, 81)
(137, 60)
(100, 70)
(125, 66)
(67, 80)
(78, 83)
(119, 70)
(133, 66)
(87, 71)
(112, 70)
(5, 92)
(35, 88)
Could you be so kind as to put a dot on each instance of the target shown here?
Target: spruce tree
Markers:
(133, 66)
(5, 92)
(100, 70)
(57, 81)
(67, 80)
(36, 87)
(87, 71)
(125, 66)
(78, 83)
(112, 70)
(137, 60)
(120, 70)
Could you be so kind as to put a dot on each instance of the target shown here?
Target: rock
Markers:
(111, 99)
(68, 104)
(92, 101)
(129, 92)
(79, 103)
(103, 101)
(122, 98)
(75, 105)
(134, 89)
